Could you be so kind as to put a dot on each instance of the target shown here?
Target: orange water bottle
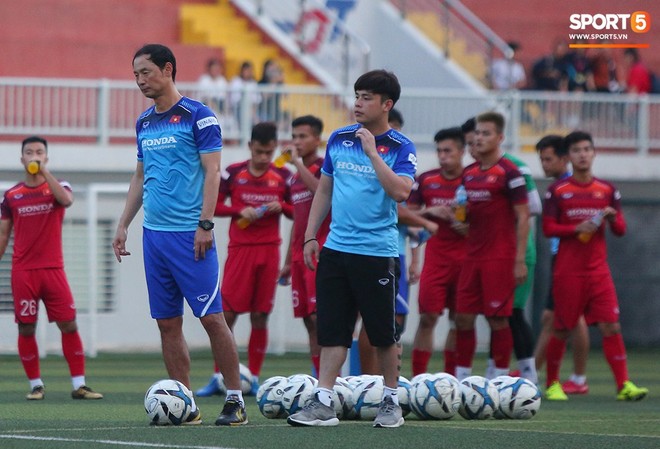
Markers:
(597, 220)
(33, 167)
(244, 222)
(281, 160)
(460, 201)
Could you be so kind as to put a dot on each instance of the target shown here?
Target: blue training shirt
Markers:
(364, 217)
(169, 145)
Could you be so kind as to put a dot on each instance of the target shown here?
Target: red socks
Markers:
(420, 361)
(257, 350)
(466, 344)
(73, 353)
(554, 354)
(501, 346)
(615, 354)
(29, 354)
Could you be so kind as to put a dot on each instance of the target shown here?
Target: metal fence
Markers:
(105, 111)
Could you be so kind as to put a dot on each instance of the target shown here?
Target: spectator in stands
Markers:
(270, 107)
(604, 71)
(578, 70)
(508, 73)
(638, 80)
(244, 84)
(550, 72)
(212, 86)
(34, 209)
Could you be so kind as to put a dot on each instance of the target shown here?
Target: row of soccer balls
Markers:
(428, 396)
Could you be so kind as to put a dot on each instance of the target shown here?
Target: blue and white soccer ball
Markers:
(298, 392)
(403, 392)
(479, 398)
(168, 402)
(519, 398)
(367, 396)
(436, 396)
(269, 397)
(342, 399)
(246, 378)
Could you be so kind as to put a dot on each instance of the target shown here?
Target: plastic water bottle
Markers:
(460, 201)
(281, 160)
(244, 222)
(597, 220)
(419, 238)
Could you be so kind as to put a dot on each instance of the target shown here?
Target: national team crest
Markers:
(382, 149)
(175, 119)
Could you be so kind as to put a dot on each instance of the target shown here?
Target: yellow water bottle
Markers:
(33, 167)
(597, 220)
(460, 201)
(281, 160)
(244, 222)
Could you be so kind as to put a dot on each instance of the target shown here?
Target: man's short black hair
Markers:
(554, 141)
(395, 116)
(469, 126)
(454, 133)
(33, 139)
(264, 133)
(312, 121)
(577, 136)
(380, 82)
(159, 55)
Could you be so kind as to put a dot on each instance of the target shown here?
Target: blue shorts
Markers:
(173, 275)
(402, 297)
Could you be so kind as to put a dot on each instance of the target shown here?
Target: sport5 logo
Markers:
(640, 21)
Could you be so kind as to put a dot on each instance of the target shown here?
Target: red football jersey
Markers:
(244, 189)
(492, 193)
(37, 221)
(302, 198)
(569, 203)
(433, 189)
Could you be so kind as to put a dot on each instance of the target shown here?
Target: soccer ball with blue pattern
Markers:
(168, 402)
(298, 392)
(436, 396)
(519, 398)
(269, 397)
(479, 398)
(367, 396)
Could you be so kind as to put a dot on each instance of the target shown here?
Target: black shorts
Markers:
(350, 283)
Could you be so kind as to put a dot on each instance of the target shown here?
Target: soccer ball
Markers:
(342, 399)
(269, 397)
(298, 392)
(403, 392)
(246, 378)
(167, 402)
(479, 398)
(367, 396)
(498, 382)
(519, 398)
(436, 397)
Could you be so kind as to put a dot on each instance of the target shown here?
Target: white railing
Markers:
(105, 111)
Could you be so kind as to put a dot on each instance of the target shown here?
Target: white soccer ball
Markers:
(269, 397)
(519, 398)
(168, 402)
(342, 399)
(479, 398)
(403, 392)
(246, 378)
(367, 396)
(498, 382)
(298, 392)
(436, 397)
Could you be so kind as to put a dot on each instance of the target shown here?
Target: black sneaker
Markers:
(233, 413)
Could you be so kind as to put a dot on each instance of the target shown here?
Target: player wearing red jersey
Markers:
(35, 208)
(582, 283)
(554, 161)
(306, 138)
(259, 193)
(495, 251)
(434, 192)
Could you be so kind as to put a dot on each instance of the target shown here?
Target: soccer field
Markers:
(595, 421)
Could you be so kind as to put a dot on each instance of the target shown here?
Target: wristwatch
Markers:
(206, 225)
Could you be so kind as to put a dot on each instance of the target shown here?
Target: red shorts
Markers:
(303, 288)
(593, 296)
(48, 285)
(438, 285)
(486, 287)
(250, 278)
